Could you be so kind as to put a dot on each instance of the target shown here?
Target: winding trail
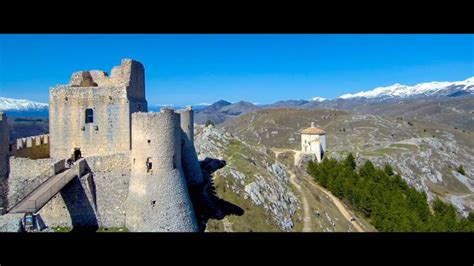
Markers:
(307, 213)
(342, 209)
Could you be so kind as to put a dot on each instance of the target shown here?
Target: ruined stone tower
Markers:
(93, 112)
(158, 199)
(4, 161)
(189, 158)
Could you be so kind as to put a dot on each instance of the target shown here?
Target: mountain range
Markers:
(448, 103)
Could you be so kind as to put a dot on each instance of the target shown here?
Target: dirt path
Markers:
(297, 154)
(342, 209)
(307, 212)
(306, 209)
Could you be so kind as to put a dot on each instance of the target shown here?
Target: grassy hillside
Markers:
(425, 154)
(254, 181)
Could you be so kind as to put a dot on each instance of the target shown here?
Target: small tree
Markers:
(460, 170)
(388, 169)
(209, 123)
(350, 161)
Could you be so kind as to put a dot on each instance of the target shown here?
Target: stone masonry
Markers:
(158, 198)
(189, 158)
(107, 101)
(4, 161)
(140, 164)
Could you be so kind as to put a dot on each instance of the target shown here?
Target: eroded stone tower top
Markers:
(130, 75)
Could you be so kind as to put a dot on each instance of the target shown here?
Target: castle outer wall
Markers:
(158, 199)
(189, 158)
(4, 161)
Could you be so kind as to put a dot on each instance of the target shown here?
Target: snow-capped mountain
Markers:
(318, 99)
(8, 104)
(426, 89)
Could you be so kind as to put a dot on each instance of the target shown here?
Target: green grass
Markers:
(383, 151)
(409, 147)
(287, 158)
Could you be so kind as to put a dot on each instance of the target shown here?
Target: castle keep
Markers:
(137, 167)
(93, 112)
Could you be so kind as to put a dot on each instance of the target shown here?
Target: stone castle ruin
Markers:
(135, 168)
(94, 111)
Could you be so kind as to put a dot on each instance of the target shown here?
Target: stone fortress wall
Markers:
(112, 101)
(189, 158)
(158, 197)
(4, 161)
(141, 163)
(34, 147)
(94, 200)
(26, 174)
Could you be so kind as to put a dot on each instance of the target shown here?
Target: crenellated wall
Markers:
(34, 147)
(158, 198)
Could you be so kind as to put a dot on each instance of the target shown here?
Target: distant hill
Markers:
(222, 111)
(452, 111)
(447, 103)
(215, 107)
(21, 127)
(157, 108)
(287, 103)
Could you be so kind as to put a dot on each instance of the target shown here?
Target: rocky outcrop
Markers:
(254, 180)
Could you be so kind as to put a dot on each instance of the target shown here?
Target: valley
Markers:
(425, 154)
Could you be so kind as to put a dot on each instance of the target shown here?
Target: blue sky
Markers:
(263, 68)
